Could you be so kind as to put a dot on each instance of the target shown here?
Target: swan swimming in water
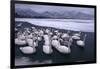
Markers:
(81, 42)
(66, 35)
(47, 47)
(20, 42)
(28, 50)
(61, 48)
(64, 49)
(76, 36)
(16, 29)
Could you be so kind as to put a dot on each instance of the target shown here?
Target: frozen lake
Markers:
(67, 24)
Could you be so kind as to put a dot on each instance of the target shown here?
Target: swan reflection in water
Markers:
(28, 61)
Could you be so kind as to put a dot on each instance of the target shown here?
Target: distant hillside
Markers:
(29, 25)
(28, 13)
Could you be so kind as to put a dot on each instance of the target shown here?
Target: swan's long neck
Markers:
(50, 39)
(70, 42)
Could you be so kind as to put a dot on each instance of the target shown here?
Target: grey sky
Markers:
(43, 8)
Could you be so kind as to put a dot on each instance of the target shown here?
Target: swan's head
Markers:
(47, 31)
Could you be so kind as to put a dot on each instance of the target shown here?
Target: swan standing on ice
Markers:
(47, 46)
(81, 43)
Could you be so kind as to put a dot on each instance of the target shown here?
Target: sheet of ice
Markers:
(67, 24)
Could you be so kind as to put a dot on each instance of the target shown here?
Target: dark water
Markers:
(77, 54)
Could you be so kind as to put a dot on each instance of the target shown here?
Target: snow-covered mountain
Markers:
(29, 13)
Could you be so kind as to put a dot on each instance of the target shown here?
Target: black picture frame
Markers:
(12, 51)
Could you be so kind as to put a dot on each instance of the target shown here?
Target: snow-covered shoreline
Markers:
(67, 24)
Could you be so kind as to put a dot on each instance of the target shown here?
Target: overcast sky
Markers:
(43, 8)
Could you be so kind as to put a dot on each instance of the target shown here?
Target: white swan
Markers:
(41, 33)
(30, 36)
(28, 50)
(30, 42)
(20, 42)
(56, 31)
(46, 39)
(39, 38)
(60, 48)
(81, 42)
(76, 36)
(47, 31)
(55, 37)
(35, 44)
(65, 35)
(33, 28)
(47, 47)
(22, 37)
(64, 49)
(55, 43)
(51, 33)
(16, 29)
